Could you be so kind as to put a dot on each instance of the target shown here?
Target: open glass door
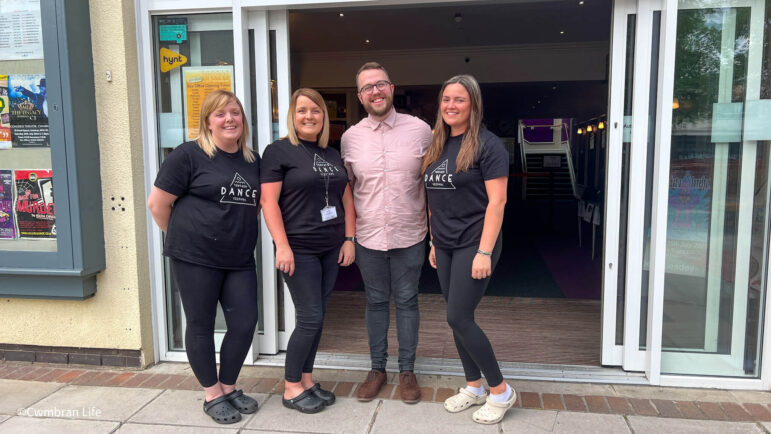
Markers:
(270, 91)
(634, 63)
(709, 310)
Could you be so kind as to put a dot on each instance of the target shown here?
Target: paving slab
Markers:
(674, 394)
(3, 417)
(262, 371)
(172, 368)
(32, 425)
(563, 388)
(21, 394)
(92, 402)
(570, 422)
(426, 418)
(137, 428)
(766, 425)
(185, 408)
(519, 420)
(755, 396)
(346, 415)
(656, 425)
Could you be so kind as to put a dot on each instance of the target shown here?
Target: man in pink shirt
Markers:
(383, 154)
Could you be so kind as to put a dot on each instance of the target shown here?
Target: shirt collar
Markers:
(390, 120)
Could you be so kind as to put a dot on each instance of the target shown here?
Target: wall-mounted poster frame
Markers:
(199, 81)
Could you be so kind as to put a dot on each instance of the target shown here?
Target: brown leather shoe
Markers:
(371, 386)
(408, 384)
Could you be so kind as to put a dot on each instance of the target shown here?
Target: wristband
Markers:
(351, 239)
(482, 252)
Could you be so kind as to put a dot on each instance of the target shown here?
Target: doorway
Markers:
(542, 63)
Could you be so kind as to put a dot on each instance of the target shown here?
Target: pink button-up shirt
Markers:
(383, 160)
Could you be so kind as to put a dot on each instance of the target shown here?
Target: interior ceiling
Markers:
(430, 26)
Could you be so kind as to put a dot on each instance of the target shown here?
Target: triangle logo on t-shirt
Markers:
(239, 192)
(323, 167)
(439, 179)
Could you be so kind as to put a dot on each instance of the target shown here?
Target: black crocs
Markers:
(325, 395)
(305, 402)
(221, 410)
(243, 403)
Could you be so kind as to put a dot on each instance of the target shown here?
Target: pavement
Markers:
(165, 398)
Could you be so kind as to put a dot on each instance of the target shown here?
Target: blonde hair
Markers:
(316, 98)
(469, 146)
(213, 102)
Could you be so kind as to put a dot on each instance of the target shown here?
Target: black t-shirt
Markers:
(458, 201)
(214, 221)
(307, 172)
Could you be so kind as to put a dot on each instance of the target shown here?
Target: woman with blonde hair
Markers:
(466, 171)
(308, 208)
(206, 198)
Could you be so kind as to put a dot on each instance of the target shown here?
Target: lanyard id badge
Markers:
(328, 212)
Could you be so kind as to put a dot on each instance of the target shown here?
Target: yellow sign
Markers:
(199, 81)
(171, 59)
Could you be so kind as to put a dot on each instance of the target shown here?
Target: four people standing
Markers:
(324, 211)
(383, 154)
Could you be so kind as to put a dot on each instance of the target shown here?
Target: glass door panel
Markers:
(717, 224)
(202, 59)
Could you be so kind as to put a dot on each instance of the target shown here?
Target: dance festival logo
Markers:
(239, 192)
(323, 167)
(440, 178)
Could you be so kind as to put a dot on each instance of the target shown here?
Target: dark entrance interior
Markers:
(543, 303)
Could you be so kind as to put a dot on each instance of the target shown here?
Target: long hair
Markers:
(215, 101)
(469, 146)
(323, 138)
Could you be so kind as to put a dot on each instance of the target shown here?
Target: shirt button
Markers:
(385, 170)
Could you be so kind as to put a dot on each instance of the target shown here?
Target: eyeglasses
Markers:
(380, 85)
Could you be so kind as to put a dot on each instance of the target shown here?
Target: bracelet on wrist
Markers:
(351, 239)
(482, 252)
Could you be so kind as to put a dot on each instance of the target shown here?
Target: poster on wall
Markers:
(35, 211)
(5, 114)
(21, 33)
(199, 81)
(7, 224)
(28, 110)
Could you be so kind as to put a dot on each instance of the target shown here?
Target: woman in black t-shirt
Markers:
(308, 208)
(206, 198)
(466, 170)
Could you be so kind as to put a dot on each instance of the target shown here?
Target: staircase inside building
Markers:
(546, 159)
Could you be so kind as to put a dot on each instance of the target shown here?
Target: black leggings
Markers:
(310, 286)
(200, 288)
(463, 294)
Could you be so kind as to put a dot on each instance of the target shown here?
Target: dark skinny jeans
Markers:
(311, 286)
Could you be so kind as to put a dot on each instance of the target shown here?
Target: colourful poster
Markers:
(5, 114)
(7, 226)
(35, 211)
(28, 110)
(200, 81)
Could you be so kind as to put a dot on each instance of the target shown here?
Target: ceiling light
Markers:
(458, 17)
(589, 129)
(581, 2)
(601, 125)
(580, 131)
(562, 32)
(366, 41)
(342, 14)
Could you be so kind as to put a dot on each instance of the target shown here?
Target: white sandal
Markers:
(493, 412)
(463, 400)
